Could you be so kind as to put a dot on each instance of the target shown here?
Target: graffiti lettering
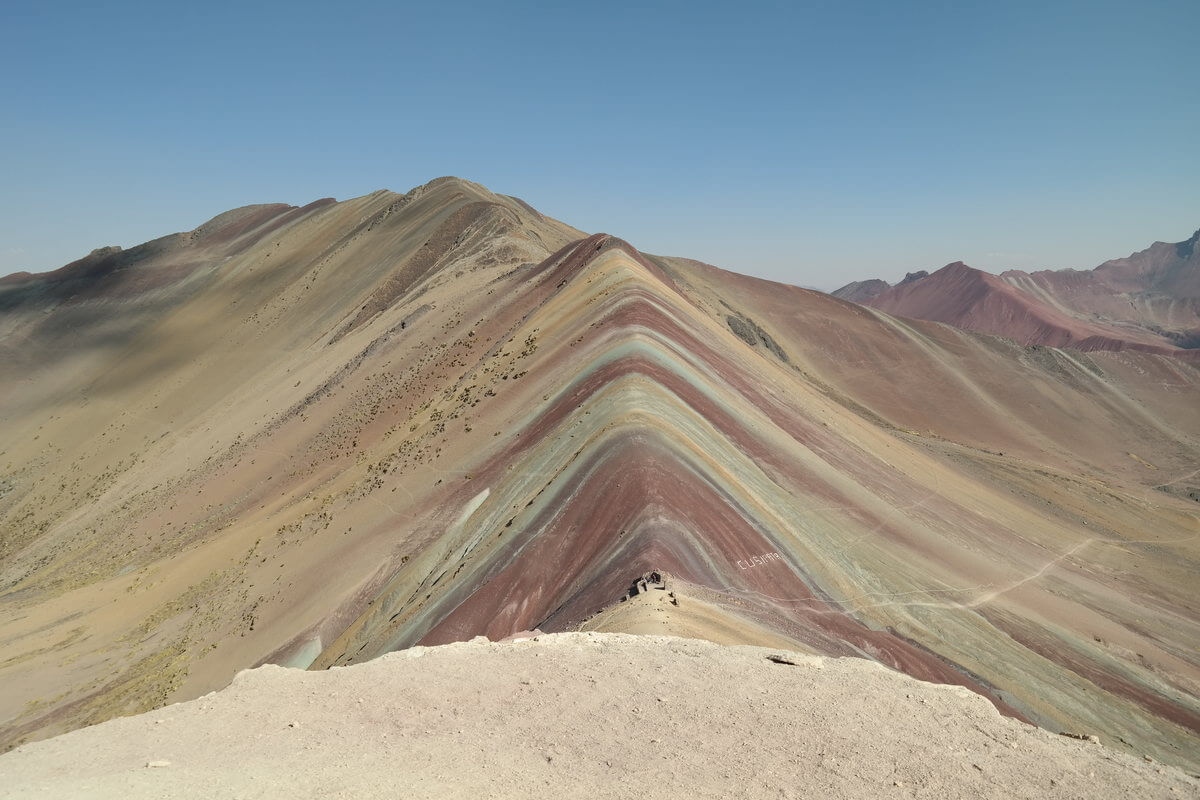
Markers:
(758, 561)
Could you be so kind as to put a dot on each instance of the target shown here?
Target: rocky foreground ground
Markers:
(582, 715)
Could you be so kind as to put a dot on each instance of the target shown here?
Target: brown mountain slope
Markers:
(861, 291)
(975, 300)
(418, 418)
(1157, 289)
(1148, 301)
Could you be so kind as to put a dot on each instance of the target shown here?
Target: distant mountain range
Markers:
(1147, 301)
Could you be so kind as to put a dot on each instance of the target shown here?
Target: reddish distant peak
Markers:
(957, 270)
(949, 295)
(958, 266)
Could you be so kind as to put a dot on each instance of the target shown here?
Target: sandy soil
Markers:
(581, 715)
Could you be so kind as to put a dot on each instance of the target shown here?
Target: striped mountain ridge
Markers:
(414, 419)
(658, 440)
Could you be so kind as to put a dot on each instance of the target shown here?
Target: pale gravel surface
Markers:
(581, 715)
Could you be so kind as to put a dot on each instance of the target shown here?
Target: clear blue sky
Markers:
(810, 142)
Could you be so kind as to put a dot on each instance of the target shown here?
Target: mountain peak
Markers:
(861, 291)
(959, 266)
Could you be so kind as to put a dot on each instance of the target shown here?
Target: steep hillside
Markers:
(414, 419)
